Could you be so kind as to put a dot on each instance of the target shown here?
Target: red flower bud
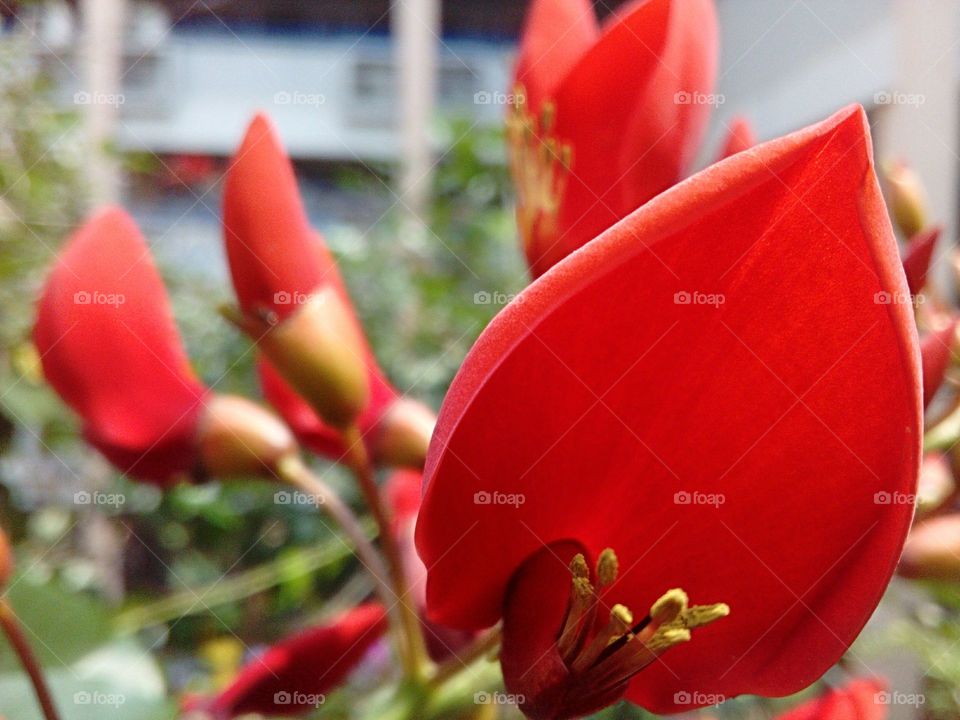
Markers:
(740, 137)
(908, 202)
(916, 259)
(936, 354)
(292, 300)
(108, 345)
(859, 699)
(292, 677)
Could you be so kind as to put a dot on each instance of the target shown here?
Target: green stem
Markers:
(415, 659)
(481, 647)
(14, 632)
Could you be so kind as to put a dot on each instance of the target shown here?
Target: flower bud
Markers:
(936, 485)
(908, 203)
(318, 350)
(402, 436)
(6, 560)
(238, 437)
(933, 550)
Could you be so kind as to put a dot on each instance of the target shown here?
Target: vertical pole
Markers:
(100, 97)
(415, 25)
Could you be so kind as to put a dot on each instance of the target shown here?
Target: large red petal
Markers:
(860, 699)
(726, 339)
(109, 346)
(555, 35)
(292, 676)
(270, 245)
(634, 110)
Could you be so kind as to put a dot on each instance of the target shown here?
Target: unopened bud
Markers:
(402, 436)
(318, 350)
(6, 560)
(933, 550)
(908, 204)
(936, 484)
(238, 437)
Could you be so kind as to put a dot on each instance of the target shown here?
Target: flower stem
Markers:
(357, 459)
(14, 632)
(481, 647)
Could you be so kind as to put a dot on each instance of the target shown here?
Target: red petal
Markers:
(860, 699)
(109, 346)
(301, 667)
(596, 397)
(555, 35)
(916, 260)
(740, 137)
(619, 110)
(936, 352)
(270, 246)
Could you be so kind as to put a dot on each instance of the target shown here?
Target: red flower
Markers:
(604, 119)
(724, 425)
(291, 677)
(284, 273)
(860, 699)
(740, 137)
(916, 259)
(109, 347)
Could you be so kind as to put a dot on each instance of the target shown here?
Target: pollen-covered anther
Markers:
(620, 648)
(539, 162)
